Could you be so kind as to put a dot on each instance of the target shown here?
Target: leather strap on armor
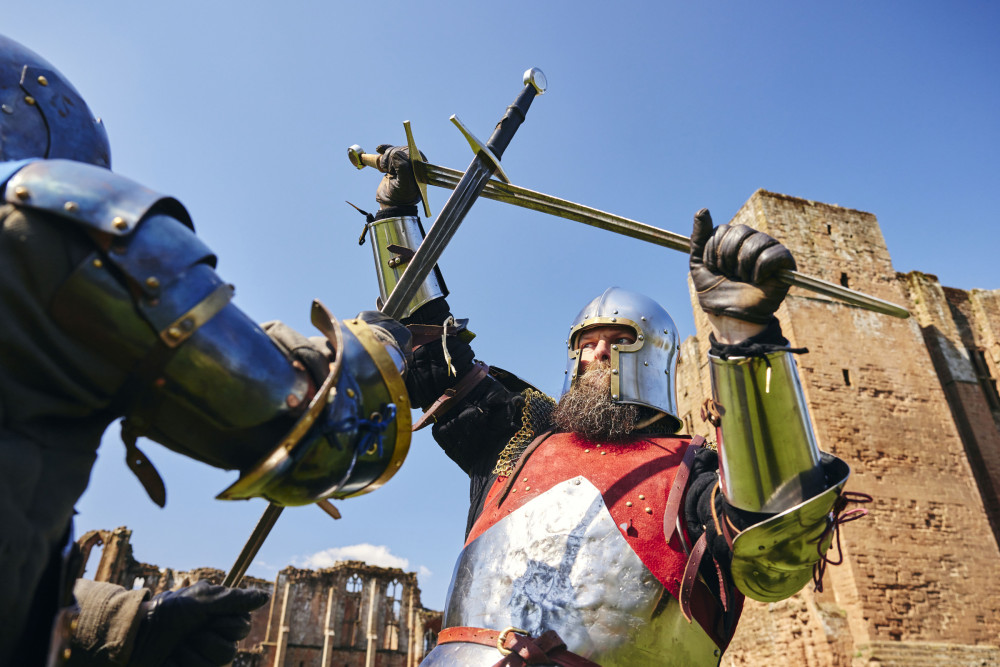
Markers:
(445, 401)
(676, 495)
(519, 648)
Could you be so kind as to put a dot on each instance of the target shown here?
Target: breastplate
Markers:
(559, 562)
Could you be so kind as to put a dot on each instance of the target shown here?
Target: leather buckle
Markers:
(502, 638)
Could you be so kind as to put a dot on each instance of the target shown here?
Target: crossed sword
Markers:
(466, 187)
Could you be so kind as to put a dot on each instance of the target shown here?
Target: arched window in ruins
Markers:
(393, 610)
(351, 626)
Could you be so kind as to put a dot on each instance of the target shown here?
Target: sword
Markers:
(466, 190)
(443, 177)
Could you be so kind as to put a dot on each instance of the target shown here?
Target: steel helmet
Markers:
(642, 373)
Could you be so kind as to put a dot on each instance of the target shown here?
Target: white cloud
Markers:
(372, 554)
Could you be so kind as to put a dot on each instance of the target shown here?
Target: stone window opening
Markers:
(986, 380)
(847, 377)
(393, 608)
(351, 626)
(843, 279)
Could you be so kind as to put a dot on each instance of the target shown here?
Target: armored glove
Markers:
(733, 268)
(398, 187)
(196, 626)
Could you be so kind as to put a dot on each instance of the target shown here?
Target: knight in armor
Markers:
(111, 307)
(597, 534)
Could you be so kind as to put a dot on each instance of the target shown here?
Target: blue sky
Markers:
(244, 111)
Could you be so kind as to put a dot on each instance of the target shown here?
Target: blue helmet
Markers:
(42, 115)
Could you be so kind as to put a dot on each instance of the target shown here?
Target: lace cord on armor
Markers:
(839, 517)
(535, 418)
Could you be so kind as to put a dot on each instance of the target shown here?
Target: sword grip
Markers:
(534, 84)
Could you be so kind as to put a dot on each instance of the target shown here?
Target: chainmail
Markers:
(534, 420)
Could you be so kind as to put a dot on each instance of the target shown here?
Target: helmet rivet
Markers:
(71, 206)
(640, 337)
(614, 371)
(614, 312)
(174, 332)
(667, 371)
(22, 193)
(565, 372)
(152, 282)
(187, 324)
(6, 109)
(119, 224)
(43, 81)
(29, 99)
(614, 397)
(98, 263)
(645, 363)
(350, 393)
(643, 318)
(614, 319)
(614, 347)
(665, 331)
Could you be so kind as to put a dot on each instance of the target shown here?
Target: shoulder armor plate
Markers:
(89, 195)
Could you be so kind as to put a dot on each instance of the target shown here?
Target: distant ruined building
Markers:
(912, 406)
(349, 615)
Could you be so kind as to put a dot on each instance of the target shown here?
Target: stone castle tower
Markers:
(912, 406)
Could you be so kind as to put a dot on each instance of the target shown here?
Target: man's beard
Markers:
(587, 410)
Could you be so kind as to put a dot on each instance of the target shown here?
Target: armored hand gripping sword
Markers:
(467, 188)
(443, 177)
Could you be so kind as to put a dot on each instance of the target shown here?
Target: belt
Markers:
(518, 647)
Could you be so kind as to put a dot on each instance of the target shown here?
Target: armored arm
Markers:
(776, 484)
(200, 376)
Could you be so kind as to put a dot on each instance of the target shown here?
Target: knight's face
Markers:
(595, 344)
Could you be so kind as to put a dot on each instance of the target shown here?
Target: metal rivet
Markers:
(614, 347)
(640, 337)
(98, 263)
(603, 453)
(667, 371)
(643, 318)
(666, 331)
(6, 109)
(645, 363)
(614, 312)
(71, 206)
(152, 282)
(74, 624)
(350, 393)
(513, 490)
(187, 324)
(527, 488)
(43, 81)
(614, 319)
(642, 497)
(22, 193)
(716, 653)
(614, 371)
(628, 504)
(586, 451)
(29, 99)
(66, 654)
(119, 224)
(174, 332)
(614, 397)
(649, 510)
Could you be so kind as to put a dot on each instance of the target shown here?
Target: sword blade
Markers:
(443, 177)
(253, 545)
(465, 192)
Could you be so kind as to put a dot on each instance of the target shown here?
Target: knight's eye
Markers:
(589, 344)
(624, 340)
